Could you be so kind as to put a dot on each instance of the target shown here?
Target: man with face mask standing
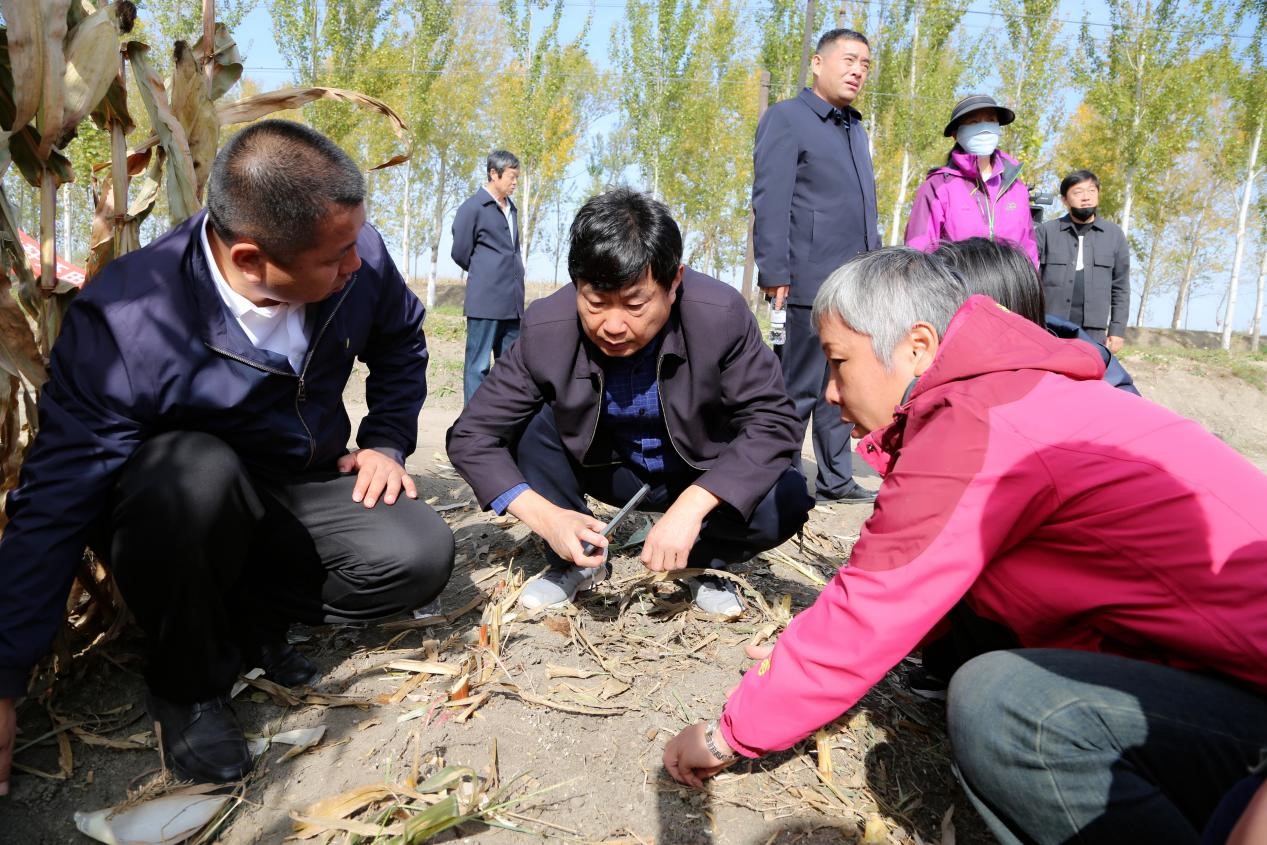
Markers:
(813, 198)
(1086, 264)
(978, 192)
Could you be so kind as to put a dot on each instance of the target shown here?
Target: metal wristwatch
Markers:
(710, 742)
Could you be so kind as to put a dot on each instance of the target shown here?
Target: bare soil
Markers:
(654, 666)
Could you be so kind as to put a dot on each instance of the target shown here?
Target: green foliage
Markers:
(1032, 62)
(542, 102)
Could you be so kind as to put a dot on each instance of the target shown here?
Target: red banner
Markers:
(66, 272)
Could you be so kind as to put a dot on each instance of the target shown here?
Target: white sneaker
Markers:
(717, 596)
(557, 587)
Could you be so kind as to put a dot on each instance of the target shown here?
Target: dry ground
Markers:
(579, 704)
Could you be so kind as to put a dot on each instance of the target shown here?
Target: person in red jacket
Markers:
(1130, 577)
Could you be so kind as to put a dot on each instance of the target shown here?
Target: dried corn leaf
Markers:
(403, 690)
(19, 353)
(226, 61)
(566, 707)
(253, 108)
(425, 667)
(339, 807)
(320, 825)
(24, 25)
(196, 113)
(553, 671)
(182, 195)
(92, 62)
(53, 99)
(132, 743)
(285, 697)
(300, 740)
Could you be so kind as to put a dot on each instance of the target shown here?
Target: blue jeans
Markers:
(484, 338)
(1058, 746)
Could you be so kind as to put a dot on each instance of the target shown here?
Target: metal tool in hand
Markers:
(589, 548)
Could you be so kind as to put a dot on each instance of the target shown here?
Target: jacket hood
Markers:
(984, 337)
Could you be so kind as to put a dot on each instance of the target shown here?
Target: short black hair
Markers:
(274, 182)
(1001, 272)
(617, 236)
(831, 36)
(499, 160)
(1077, 178)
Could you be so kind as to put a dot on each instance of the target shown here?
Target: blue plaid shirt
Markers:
(631, 415)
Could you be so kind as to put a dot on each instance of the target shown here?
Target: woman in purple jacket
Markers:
(978, 192)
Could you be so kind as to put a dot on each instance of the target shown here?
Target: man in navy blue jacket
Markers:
(193, 433)
(486, 246)
(813, 196)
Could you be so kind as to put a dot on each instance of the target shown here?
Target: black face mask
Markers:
(1082, 215)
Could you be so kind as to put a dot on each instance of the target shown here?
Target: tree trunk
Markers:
(1149, 268)
(1257, 329)
(405, 237)
(1246, 192)
(525, 195)
(438, 217)
(895, 237)
(1190, 262)
(900, 200)
(1137, 116)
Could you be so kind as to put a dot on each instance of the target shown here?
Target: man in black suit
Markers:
(486, 245)
(813, 194)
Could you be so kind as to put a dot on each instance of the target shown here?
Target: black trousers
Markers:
(805, 372)
(213, 560)
(726, 537)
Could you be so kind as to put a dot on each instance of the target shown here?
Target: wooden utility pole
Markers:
(807, 41)
(763, 103)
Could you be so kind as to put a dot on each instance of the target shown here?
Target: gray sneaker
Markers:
(557, 587)
(717, 596)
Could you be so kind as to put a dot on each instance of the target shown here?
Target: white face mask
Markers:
(980, 139)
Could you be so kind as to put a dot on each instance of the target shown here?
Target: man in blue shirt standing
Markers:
(486, 246)
(645, 371)
(813, 197)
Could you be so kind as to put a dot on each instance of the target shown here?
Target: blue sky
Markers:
(265, 65)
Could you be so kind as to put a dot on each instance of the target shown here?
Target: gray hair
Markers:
(499, 160)
(882, 294)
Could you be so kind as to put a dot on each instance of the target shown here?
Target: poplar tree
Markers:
(543, 101)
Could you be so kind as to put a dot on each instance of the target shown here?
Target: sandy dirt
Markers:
(581, 777)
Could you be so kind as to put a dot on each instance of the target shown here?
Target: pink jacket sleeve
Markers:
(941, 515)
(926, 224)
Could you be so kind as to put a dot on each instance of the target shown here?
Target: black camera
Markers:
(1040, 202)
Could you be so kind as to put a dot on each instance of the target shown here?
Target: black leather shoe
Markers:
(853, 496)
(284, 664)
(202, 742)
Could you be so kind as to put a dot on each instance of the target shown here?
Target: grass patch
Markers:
(1249, 367)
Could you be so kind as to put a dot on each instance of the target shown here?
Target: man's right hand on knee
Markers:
(566, 531)
(8, 738)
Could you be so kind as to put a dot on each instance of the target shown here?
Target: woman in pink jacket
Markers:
(978, 193)
(1130, 574)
